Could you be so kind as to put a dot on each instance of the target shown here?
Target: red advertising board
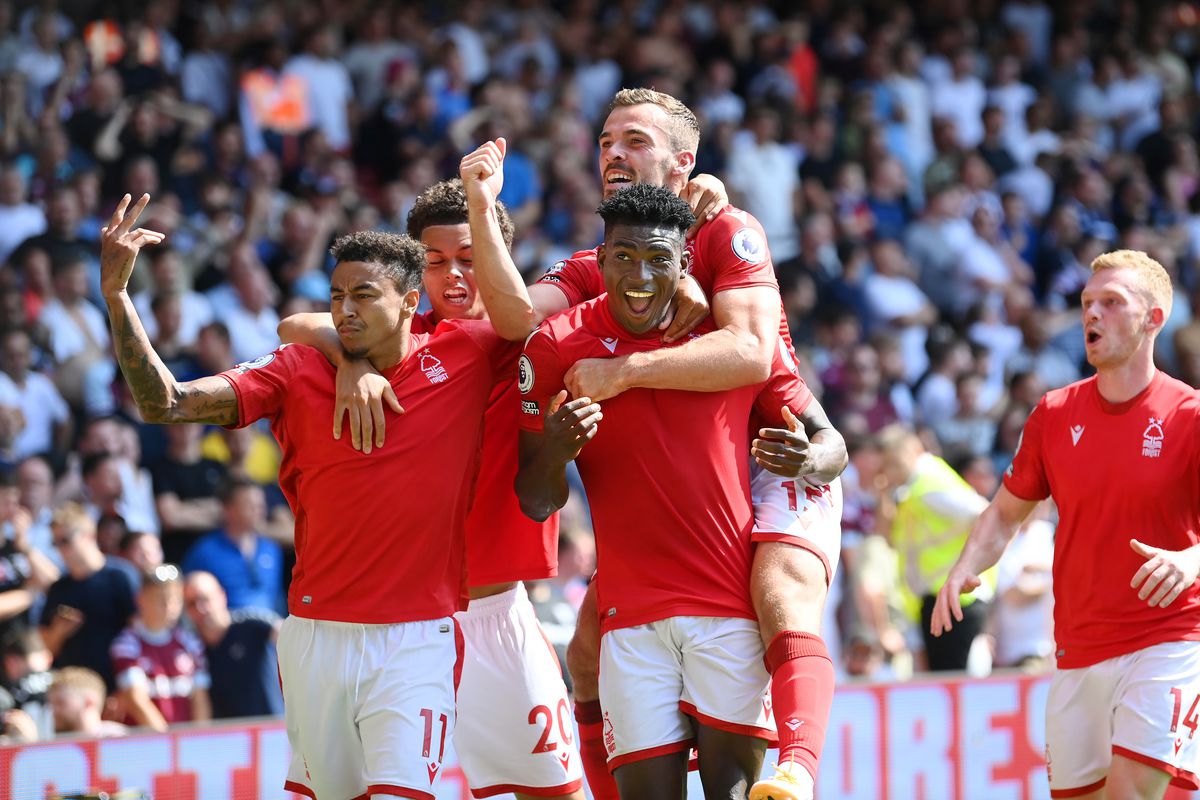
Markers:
(922, 740)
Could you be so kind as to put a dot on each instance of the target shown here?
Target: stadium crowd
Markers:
(933, 179)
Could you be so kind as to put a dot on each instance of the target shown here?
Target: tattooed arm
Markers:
(159, 397)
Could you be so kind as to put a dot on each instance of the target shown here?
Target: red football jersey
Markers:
(729, 252)
(170, 665)
(666, 475)
(1117, 472)
(502, 543)
(379, 537)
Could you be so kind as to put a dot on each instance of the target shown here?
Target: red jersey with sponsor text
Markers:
(728, 252)
(503, 544)
(380, 537)
(666, 476)
(1117, 471)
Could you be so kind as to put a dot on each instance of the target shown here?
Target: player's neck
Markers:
(394, 350)
(1123, 382)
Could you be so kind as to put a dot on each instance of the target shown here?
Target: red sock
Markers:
(802, 694)
(592, 751)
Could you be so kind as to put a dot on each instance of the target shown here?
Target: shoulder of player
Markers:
(1062, 397)
(287, 355)
(732, 227)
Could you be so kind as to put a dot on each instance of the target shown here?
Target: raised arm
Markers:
(159, 397)
(990, 534)
(508, 302)
(739, 354)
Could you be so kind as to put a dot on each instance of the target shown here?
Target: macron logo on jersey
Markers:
(431, 365)
(610, 345)
(1076, 432)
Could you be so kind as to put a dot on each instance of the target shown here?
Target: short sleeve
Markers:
(784, 387)
(125, 651)
(1026, 475)
(261, 385)
(578, 278)
(501, 354)
(540, 374)
(735, 254)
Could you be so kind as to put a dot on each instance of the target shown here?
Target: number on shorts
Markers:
(1191, 720)
(790, 488)
(427, 743)
(544, 745)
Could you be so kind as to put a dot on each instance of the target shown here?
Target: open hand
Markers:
(786, 453)
(361, 393)
(120, 244)
(569, 426)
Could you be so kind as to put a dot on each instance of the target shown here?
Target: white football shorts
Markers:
(658, 680)
(369, 708)
(1144, 705)
(797, 513)
(515, 727)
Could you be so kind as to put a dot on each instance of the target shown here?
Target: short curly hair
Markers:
(401, 257)
(445, 203)
(646, 205)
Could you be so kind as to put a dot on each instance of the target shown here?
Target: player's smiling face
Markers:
(635, 148)
(1116, 317)
(368, 310)
(449, 279)
(642, 266)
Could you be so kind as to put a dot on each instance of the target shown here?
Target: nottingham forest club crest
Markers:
(1152, 439)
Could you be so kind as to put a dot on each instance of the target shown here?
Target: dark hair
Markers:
(8, 479)
(445, 203)
(645, 205)
(22, 642)
(230, 487)
(401, 258)
(93, 461)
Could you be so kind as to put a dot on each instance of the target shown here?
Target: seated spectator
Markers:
(161, 672)
(863, 402)
(77, 698)
(248, 564)
(167, 275)
(90, 604)
(35, 480)
(240, 647)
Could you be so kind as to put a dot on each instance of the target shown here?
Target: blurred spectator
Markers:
(160, 669)
(763, 179)
(330, 93)
(77, 698)
(90, 604)
(240, 648)
(185, 489)
(19, 219)
(935, 509)
(896, 301)
(167, 275)
(245, 306)
(35, 481)
(48, 424)
(971, 430)
(26, 677)
(111, 532)
(862, 403)
(961, 98)
(24, 571)
(248, 564)
(1023, 619)
(143, 551)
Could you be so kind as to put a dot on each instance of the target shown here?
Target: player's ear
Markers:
(1156, 318)
(685, 263)
(410, 301)
(685, 162)
(600, 255)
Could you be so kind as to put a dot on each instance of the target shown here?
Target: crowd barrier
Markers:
(955, 739)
